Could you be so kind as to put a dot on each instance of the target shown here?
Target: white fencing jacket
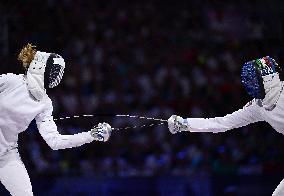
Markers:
(270, 109)
(18, 108)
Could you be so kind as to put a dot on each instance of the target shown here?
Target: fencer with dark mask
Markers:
(263, 81)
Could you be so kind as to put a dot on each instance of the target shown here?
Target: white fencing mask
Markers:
(45, 71)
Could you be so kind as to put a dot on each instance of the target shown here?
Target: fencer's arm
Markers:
(8, 82)
(2, 83)
(250, 113)
(53, 138)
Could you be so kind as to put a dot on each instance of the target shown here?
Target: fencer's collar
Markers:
(273, 88)
(35, 75)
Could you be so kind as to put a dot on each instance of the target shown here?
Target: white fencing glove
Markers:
(177, 124)
(101, 132)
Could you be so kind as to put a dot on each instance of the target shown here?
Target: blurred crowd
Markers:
(152, 59)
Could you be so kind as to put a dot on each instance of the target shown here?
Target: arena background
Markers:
(155, 59)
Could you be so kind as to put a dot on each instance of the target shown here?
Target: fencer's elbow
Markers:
(53, 142)
(53, 147)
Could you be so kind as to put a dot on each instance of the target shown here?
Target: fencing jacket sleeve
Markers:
(250, 113)
(2, 83)
(53, 138)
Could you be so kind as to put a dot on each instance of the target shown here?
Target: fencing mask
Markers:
(261, 79)
(45, 71)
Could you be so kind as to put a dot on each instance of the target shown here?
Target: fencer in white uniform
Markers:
(22, 99)
(263, 80)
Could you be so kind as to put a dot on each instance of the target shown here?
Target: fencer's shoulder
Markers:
(252, 103)
(8, 76)
(11, 79)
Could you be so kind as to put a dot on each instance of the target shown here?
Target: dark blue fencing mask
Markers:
(253, 72)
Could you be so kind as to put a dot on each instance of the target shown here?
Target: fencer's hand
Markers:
(177, 124)
(101, 132)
